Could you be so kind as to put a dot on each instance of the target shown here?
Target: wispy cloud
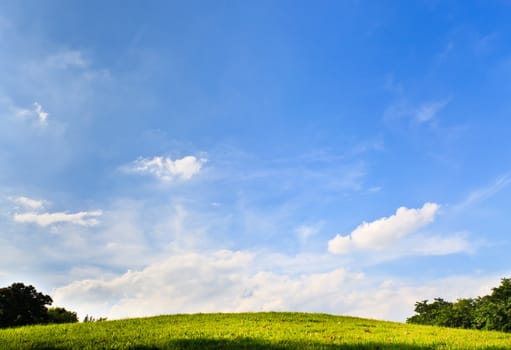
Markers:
(427, 111)
(28, 202)
(166, 169)
(84, 218)
(304, 232)
(437, 245)
(419, 113)
(36, 112)
(66, 59)
(384, 231)
(485, 192)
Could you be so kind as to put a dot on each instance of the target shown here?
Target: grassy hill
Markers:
(277, 331)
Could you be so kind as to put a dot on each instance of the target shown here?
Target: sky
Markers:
(347, 157)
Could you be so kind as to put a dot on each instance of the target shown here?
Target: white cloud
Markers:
(36, 112)
(428, 111)
(28, 202)
(166, 169)
(45, 219)
(384, 231)
(236, 281)
(207, 282)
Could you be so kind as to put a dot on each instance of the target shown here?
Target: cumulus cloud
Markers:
(164, 168)
(36, 112)
(28, 203)
(84, 218)
(384, 231)
(236, 281)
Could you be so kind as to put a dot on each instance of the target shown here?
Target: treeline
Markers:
(490, 312)
(22, 305)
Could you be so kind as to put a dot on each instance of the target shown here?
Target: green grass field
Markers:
(248, 331)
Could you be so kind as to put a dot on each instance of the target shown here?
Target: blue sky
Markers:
(345, 157)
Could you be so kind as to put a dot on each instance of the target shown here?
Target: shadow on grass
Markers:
(250, 343)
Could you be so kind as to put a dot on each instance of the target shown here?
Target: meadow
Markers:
(273, 330)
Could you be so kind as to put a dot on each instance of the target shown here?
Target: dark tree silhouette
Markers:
(61, 315)
(22, 305)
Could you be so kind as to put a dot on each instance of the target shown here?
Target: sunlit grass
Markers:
(249, 331)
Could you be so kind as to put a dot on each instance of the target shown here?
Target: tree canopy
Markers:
(23, 305)
(491, 312)
(61, 315)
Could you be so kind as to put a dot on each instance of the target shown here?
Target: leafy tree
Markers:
(491, 312)
(22, 305)
(462, 313)
(61, 315)
(436, 313)
(483, 314)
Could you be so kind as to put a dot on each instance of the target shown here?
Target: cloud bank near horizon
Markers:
(238, 281)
